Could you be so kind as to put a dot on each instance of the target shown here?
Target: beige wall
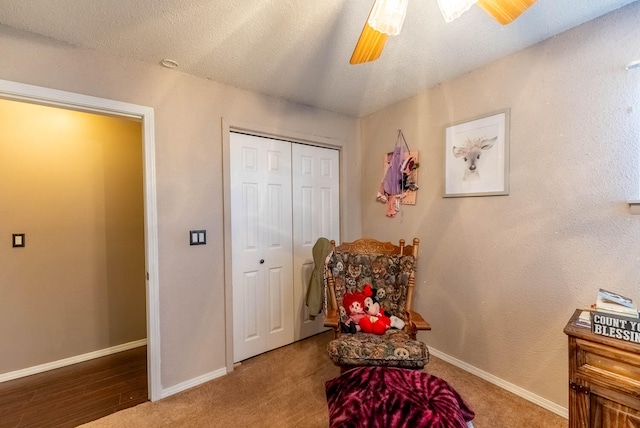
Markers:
(188, 137)
(500, 276)
(72, 182)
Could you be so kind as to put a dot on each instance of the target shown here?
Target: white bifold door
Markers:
(284, 196)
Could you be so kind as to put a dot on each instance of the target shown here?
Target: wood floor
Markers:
(73, 395)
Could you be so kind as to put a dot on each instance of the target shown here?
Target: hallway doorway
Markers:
(121, 239)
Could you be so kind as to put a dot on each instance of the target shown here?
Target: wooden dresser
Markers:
(604, 379)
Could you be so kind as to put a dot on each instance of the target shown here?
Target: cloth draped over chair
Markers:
(315, 298)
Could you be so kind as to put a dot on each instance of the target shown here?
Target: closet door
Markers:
(261, 224)
(316, 213)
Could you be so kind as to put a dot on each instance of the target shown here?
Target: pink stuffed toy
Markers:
(375, 321)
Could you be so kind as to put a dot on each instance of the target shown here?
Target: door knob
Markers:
(261, 261)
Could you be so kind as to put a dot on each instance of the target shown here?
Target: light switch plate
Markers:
(18, 240)
(197, 237)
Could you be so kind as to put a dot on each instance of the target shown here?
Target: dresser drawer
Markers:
(608, 367)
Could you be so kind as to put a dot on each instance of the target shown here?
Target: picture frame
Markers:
(476, 156)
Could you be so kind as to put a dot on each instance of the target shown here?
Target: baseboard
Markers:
(521, 392)
(71, 360)
(193, 382)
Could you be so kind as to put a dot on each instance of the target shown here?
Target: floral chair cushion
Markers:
(388, 274)
(393, 349)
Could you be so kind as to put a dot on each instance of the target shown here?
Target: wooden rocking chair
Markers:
(385, 273)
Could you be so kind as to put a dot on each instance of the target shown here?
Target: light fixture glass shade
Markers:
(387, 16)
(505, 11)
(452, 9)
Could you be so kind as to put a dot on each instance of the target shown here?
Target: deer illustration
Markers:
(471, 151)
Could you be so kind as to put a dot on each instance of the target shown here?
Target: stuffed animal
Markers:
(354, 305)
(396, 322)
(376, 320)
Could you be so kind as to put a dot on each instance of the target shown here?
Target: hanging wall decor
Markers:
(400, 177)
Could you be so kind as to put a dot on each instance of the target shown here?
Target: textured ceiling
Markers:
(298, 49)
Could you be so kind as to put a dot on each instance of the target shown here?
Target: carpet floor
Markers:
(285, 388)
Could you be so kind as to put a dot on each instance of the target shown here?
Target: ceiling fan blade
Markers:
(369, 46)
(505, 11)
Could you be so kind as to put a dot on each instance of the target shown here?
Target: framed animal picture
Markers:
(476, 160)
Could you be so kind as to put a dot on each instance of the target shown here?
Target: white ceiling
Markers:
(298, 49)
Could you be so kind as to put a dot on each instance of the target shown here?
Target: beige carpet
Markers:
(285, 388)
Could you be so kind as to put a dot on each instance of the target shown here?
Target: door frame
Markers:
(233, 125)
(56, 98)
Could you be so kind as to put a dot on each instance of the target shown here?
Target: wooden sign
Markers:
(616, 326)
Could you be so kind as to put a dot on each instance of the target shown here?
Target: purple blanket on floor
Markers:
(382, 397)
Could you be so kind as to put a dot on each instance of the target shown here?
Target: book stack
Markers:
(584, 319)
(615, 316)
(613, 303)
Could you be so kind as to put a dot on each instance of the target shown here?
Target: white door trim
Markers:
(229, 125)
(54, 97)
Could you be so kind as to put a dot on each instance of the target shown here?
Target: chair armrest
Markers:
(332, 319)
(419, 322)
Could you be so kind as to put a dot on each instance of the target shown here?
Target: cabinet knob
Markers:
(261, 261)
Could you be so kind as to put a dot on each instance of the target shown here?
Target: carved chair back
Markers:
(387, 268)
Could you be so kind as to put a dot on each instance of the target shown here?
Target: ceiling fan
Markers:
(387, 16)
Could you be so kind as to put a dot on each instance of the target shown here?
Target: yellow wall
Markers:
(72, 182)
